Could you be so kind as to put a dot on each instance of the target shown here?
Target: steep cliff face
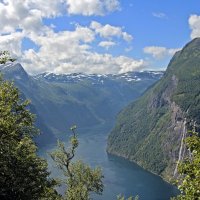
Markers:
(151, 130)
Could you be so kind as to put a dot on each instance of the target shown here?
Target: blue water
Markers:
(121, 176)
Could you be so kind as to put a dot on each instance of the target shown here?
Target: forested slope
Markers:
(150, 130)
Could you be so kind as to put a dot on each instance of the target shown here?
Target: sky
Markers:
(96, 36)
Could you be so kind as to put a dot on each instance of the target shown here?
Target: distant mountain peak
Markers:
(98, 78)
(194, 43)
(14, 70)
(11, 66)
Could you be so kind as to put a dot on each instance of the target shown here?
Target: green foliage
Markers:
(136, 134)
(81, 180)
(189, 169)
(147, 130)
(5, 57)
(23, 175)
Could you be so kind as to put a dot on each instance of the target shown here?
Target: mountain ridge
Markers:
(63, 100)
(150, 130)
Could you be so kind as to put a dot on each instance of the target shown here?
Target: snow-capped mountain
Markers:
(99, 78)
(60, 100)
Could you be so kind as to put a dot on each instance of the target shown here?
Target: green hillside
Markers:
(89, 101)
(150, 130)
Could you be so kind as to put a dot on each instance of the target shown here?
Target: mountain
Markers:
(23, 81)
(150, 131)
(96, 97)
(88, 100)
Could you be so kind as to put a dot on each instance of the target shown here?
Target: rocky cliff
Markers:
(151, 130)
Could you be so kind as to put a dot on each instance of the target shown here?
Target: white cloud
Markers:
(62, 51)
(61, 54)
(108, 31)
(48, 8)
(128, 64)
(106, 44)
(160, 15)
(95, 25)
(92, 7)
(194, 22)
(26, 14)
(69, 51)
(160, 52)
(102, 63)
(127, 37)
(81, 61)
(12, 43)
(57, 48)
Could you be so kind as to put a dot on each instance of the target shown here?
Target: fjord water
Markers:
(121, 176)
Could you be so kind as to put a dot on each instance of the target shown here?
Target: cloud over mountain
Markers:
(194, 22)
(66, 50)
(159, 52)
(88, 35)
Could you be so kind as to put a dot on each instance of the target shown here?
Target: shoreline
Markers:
(132, 161)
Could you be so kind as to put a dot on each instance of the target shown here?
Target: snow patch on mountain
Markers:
(99, 78)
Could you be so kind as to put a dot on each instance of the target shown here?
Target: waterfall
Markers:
(181, 150)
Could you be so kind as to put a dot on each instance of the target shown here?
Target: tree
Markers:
(5, 57)
(81, 180)
(189, 170)
(23, 175)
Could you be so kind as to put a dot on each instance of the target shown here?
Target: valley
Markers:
(59, 101)
(92, 102)
(99, 100)
(150, 131)
(120, 175)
